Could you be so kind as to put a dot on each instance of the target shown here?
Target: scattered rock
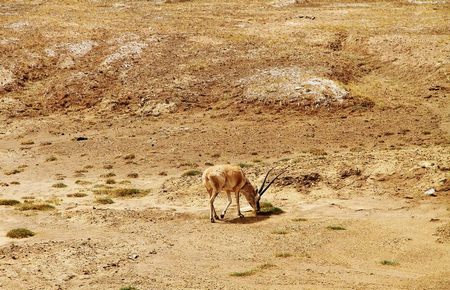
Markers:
(6, 77)
(133, 256)
(430, 192)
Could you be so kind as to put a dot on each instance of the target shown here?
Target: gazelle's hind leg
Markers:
(228, 205)
(238, 206)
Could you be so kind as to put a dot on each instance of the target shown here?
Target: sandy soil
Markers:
(351, 96)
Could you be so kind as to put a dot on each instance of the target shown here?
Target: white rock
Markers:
(430, 192)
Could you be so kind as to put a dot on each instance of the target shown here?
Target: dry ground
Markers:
(99, 95)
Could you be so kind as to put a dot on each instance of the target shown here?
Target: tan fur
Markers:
(228, 178)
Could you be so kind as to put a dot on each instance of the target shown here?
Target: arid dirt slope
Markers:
(136, 98)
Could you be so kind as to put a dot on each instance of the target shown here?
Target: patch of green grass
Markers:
(257, 161)
(9, 202)
(19, 233)
(279, 232)
(389, 263)
(336, 228)
(51, 158)
(128, 288)
(104, 200)
(125, 182)
(59, 185)
(245, 165)
(81, 171)
(110, 181)
(34, 206)
(283, 255)
(192, 172)
(266, 208)
(122, 192)
(15, 182)
(77, 194)
(133, 175)
(14, 171)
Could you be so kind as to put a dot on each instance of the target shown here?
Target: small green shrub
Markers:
(59, 185)
(266, 208)
(110, 181)
(34, 206)
(77, 194)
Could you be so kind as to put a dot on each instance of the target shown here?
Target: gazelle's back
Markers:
(223, 177)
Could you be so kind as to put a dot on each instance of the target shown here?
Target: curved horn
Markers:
(265, 178)
(270, 183)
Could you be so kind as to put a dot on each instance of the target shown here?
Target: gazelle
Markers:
(231, 178)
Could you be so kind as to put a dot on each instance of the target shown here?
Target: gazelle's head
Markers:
(253, 195)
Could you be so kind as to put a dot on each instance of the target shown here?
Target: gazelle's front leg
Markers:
(238, 206)
(212, 210)
(228, 205)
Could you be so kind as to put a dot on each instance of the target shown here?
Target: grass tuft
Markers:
(51, 158)
(280, 232)
(59, 185)
(110, 181)
(34, 206)
(299, 220)
(82, 182)
(243, 274)
(128, 288)
(268, 209)
(122, 192)
(133, 175)
(19, 233)
(104, 200)
(245, 165)
(192, 173)
(389, 263)
(336, 228)
(14, 171)
(283, 255)
(77, 194)
(9, 202)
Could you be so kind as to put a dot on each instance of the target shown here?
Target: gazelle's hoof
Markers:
(213, 220)
(222, 216)
(241, 216)
(216, 217)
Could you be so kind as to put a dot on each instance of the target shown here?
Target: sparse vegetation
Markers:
(109, 174)
(268, 209)
(110, 181)
(34, 206)
(129, 157)
(252, 271)
(104, 200)
(192, 172)
(59, 185)
(279, 232)
(88, 167)
(336, 228)
(51, 159)
(14, 171)
(283, 255)
(299, 220)
(9, 202)
(245, 165)
(20, 233)
(122, 192)
(29, 142)
(82, 182)
(15, 183)
(108, 166)
(389, 263)
(77, 194)
(133, 175)
(128, 288)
